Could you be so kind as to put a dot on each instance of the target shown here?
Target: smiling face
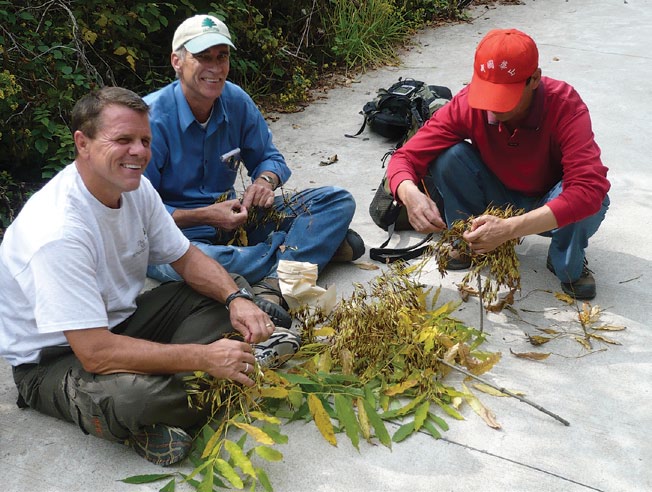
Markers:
(113, 161)
(202, 77)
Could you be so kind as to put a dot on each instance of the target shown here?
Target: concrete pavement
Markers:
(602, 48)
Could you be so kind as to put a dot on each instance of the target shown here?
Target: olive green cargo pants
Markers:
(117, 405)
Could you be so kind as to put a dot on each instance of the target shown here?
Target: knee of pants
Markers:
(447, 168)
(114, 406)
(344, 199)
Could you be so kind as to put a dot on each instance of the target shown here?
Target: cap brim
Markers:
(499, 98)
(205, 41)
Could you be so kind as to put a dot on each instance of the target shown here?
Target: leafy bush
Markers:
(51, 53)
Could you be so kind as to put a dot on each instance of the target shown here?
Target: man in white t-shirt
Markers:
(84, 346)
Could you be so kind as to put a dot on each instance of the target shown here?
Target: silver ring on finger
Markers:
(246, 367)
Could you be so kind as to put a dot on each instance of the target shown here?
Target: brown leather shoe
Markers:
(583, 288)
(351, 248)
(270, 290)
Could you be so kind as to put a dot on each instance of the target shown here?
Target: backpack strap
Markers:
(390, 255)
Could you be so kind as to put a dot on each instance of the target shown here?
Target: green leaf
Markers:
(169, 487)
(421, 414)
(346, 416)
(432, 429)
(439, 421)
(403, 432)
(227, 471)
(269, 454)
(239, 458)
(41, 145)
(136, 479)
(378, 425)
(263, 479)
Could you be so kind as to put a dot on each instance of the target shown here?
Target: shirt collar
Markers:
(186, 118)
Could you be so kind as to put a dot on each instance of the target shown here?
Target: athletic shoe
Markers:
(277, 349)
(161, 444)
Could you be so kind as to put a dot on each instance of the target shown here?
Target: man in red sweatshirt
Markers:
(512, 137)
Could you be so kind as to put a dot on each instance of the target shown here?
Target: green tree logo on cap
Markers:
(208, 23)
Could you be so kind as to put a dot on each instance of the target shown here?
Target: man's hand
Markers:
(422, 211)
(258, 194)
(230, 359)
(487, 233)
(254, 324)
(227, 215)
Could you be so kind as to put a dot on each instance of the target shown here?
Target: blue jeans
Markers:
(467, 188)
(316, 223)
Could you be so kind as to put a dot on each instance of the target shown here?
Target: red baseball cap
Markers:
(504, 60)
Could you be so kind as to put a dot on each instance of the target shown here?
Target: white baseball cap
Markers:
(200, 32)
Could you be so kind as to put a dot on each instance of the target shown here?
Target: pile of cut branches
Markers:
(381, 356)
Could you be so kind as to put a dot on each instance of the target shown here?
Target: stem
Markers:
(506, 391)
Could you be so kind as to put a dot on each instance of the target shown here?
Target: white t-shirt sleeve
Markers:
(166, 241)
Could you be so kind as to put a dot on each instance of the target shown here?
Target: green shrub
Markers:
(51, 53)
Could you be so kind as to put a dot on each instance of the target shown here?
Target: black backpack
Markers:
(400, 110)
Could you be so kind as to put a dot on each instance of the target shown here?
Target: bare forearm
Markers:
(533, 222)
(134, 355)
(205, 275)
(190, 217)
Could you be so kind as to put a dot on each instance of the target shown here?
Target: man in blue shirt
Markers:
(204, 128)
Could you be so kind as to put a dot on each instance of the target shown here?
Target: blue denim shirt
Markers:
(187, 168)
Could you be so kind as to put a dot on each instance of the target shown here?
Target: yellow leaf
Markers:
(325, 362)
(583, 342)
(268, 454)
(263, 416)
(346, 358)
(565, 298)
(239, 458)
(531, 355)
(274, 392)
(89, 36)
(366, 266)
(398, 389)
(537, 339)
(132, 62)
(120, 51)
(258, 434)
(363, 419)
(229, 473)
(477, 406)
(325, 331)
(610, 328)
(322, 420)
(604, 339)
(102, 21)
(212, 442)
(549, 331)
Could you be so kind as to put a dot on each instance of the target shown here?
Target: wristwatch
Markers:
(244, 293)
(269, 179)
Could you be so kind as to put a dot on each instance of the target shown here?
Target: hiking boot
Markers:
(583, 288)
(277, 349)
(351, 248)
(278, 315)
(270, 290)
(457, 260)
(161, 444)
